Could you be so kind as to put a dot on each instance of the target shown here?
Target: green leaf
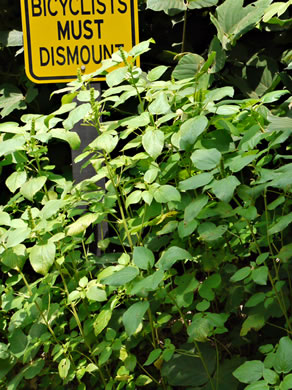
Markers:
(105, 141)
(226, 109)
(206, 292)
(151, 175)
(18, 342)
(253, 321)
(191, 130)
(271, 97)
(63, 368)
(282, 223)
(171, 256)
(16, 180)
(133, 316)
(81, 224)
(42, 257)
(131, 362)
(4, 353)
(121, 277)
(210, 232)
(150, 283)
(186, 229)
(218, 94)
(160, 105)
(213, 281)
(277, 202)
(184, 293)
(166, 193)
(260, 275)
(153, 142)
(249, 372)
(255, 299)
(34, 369)
(51, 208)
(224, 188)
(203, 305)
(11, 38)
(96, 294)
(199, 329)
(162, 5)
(143, 257)
(5, 218)
(154, 355)
(14, 257)
(233, 20)
(141, 48)
(249, 213)
(11, 145)
(194, 208)
(62, 110)
(70, 137)
(32, 186)
(116, 76)
(283, 357)
(156, 72)
(76, 115)
(133, 198)
(262, 258)
(6, 366)
(136, 121)
(101, 321)
(198, 4)
(239, 162)
(270, 376)
(11, 99)
(143, 380)
(206, 159)
(220, 58)
(188, 66)
(277, 8)
(285, 253)
(260, 385)
(187, 369)
(241, 274)
(16, 236)
(194, 182)
(286, 384)
(105, 355)
(13, 384)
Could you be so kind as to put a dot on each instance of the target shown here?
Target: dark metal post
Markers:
(87, 134)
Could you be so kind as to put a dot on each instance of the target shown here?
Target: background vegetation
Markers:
(193, 287)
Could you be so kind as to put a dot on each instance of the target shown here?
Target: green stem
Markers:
(267, 221)
(77, 319)
(279, 327)
(194, 341)
(250, 228)
(222, 169)
(67, 354)
(152, 328)
(280, 302)
(217, 364)
(183, 46)
(119, 202)
(147, 373)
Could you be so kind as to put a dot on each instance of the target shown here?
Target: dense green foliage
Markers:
(193, 286)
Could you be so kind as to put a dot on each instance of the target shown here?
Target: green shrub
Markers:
(192, 289)
(195, 271)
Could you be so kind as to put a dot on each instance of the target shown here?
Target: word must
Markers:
(79, 29)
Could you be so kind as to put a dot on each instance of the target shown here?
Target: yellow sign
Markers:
(61, 36)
